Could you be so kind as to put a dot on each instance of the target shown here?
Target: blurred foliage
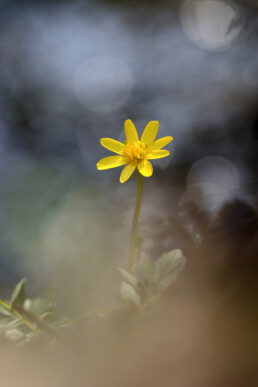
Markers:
(25, 319)
(154, 278)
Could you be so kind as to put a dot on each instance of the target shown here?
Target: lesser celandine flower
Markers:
(135, 153)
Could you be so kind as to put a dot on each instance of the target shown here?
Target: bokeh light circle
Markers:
(216, 170)
(210, 182)
(211, 24)
(103, 83)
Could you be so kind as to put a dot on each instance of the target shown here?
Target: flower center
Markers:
(135, 151)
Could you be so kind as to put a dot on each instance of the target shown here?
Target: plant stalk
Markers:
(133, 240)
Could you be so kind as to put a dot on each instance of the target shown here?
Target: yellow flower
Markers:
(135, 153)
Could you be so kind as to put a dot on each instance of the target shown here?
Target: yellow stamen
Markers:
(135, 151)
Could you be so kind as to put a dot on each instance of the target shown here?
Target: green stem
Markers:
(133, 241)
(19, 316)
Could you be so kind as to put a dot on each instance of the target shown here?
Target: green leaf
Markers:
(131, 279)
(14, 334)
(128, 293)
(147, 269)
(9, 324)
(40, 306)
(19, 294)
(168, 267)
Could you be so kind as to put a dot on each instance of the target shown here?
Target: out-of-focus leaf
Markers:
(19, 293)
(168, 267)
(128, 293)
(47, 314)
(14, 334)
(40, 306)
(147, 269)
(130, 278)
(9, 324)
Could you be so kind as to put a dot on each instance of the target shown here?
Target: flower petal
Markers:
(150, 132)
(145, 168)
(130, 131)
(161, 143)
(111, 162)
(127, 172)
(113, 145)
(158, 154)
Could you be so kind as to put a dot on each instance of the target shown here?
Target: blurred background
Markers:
(72, 72)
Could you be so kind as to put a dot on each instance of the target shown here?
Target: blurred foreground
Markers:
(201, 331)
